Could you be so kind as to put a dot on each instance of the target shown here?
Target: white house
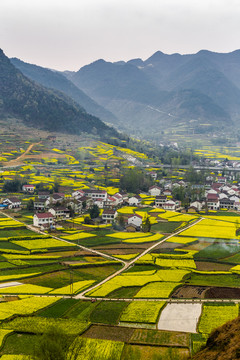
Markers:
(167, 192)
(60, 213)
(197, 205)
(12, 202)
(154, 190)
(135, 220)
(169, 205)
(160, 200)
(78, 194)
(109, 215)
(39, 204)
(43, 220)
(96, 194)
(28, 188)
(99, 203)
(134, 200)
(223, 196)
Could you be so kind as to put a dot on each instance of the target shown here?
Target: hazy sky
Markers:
(67, 34)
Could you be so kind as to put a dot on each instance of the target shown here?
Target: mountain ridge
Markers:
(43, 108)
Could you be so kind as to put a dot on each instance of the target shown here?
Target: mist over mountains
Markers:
(199, 92)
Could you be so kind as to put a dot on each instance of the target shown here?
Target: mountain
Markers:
(103, 79)
(55, 80)
(43, 108)
(193, 91)
(223, 343)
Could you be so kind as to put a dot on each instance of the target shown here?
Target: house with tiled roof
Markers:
(108, 215)
(154, 190)
(12, 202)
(28, 188)
(39, 204)
(134, 200)
(135, 219)
(43, 220)
(60, 212)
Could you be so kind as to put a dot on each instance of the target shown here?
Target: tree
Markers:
(30, 204)
(12, 185)
(53, 344)
(135, 180)
(121, 221)
(56, 185)
(146, 225)
(57, 344)
(94, 211)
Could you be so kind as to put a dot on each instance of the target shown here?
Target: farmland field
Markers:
(140, 311)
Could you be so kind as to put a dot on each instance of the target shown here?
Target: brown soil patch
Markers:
(222, 293)
(115, 333)
(206, 292)
(211, 266)
(169, 245)
(190, 292)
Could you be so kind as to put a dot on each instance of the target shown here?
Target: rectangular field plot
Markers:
(108, 312)
(180, 317)
(75, 288)
(143, 352)
(39, 325)
(98, 349)
(142, 312)
(215, 315)
(25, 306)
(156, 337)
(216, 229)
(182, 239)
(157, 290)
(175, 263)
(214, 279)
(41, 243)
(79, 235)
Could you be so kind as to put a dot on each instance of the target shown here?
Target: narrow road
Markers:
(32, 228)
(132, 262)
(17, 161)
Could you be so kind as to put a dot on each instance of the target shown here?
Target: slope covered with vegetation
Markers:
(43, 108)
(223, 343)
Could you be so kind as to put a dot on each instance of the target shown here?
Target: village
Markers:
(50, 209)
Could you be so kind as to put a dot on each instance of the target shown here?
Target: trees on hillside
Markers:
(135, 180)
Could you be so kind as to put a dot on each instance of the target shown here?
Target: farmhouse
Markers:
(60, 213)
(43, 194)
(12, 202)
(43, 220)
(96, 194)
(169, 205)
(135, 220)
(154, 190)
(28, 188)
(135, 200)
(78, 194)
(160, 200)
(39, 204)
(109, 215)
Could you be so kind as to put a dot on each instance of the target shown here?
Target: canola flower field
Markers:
(41, 275)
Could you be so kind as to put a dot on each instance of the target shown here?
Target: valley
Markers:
(157, 291)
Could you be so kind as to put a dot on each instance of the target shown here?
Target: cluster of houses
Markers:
(50, 208)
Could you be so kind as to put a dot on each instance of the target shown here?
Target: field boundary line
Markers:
(130, 263)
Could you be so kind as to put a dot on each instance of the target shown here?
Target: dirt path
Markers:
(17, 161)
(32, 228)
(132, 262)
